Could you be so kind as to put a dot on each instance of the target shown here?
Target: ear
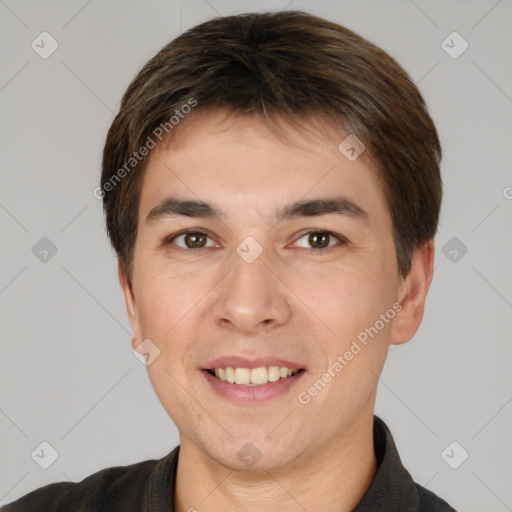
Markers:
(129, 299)
(413, 294)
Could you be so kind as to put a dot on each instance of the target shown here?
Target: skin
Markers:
(301, 303)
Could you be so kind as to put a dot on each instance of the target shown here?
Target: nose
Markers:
(252, 297)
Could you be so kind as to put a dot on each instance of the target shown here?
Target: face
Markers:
(254, 253)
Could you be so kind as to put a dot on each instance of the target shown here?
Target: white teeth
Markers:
(230, 374)
(259, 375)
(273, 373)
(242, 376)
(254, 376)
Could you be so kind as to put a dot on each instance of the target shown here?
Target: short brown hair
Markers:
(289, 65)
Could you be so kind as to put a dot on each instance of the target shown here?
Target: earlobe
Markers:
(413, 294)
(129, 299)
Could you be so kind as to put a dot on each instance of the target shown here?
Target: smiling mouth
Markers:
(255, 376)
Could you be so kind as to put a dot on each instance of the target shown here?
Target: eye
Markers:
(319, 240)
(191, 240)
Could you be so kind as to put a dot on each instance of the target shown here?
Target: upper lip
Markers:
(245, 362)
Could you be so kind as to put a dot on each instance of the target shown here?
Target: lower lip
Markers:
(252, 394)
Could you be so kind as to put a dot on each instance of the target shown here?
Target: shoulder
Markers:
(120, 488)
(430, 502)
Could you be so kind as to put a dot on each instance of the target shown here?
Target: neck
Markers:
(333, 478)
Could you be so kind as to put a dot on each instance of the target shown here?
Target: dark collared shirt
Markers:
(149, 487)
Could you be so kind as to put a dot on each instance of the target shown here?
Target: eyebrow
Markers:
(172, 207)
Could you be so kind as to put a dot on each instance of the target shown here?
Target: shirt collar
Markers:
(392, 488)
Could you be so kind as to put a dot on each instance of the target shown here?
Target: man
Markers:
(271, 187)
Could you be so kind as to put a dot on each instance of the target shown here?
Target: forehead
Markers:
(239, 162)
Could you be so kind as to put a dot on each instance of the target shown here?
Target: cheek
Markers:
(346, 299)
(162, 305)
(171, 307)
(161, 302)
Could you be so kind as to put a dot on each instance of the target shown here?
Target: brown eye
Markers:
(191, 240)
(319, 240)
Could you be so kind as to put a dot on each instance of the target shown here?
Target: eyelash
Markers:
(341, 239)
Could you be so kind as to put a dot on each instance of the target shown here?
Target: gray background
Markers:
(67, 372)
